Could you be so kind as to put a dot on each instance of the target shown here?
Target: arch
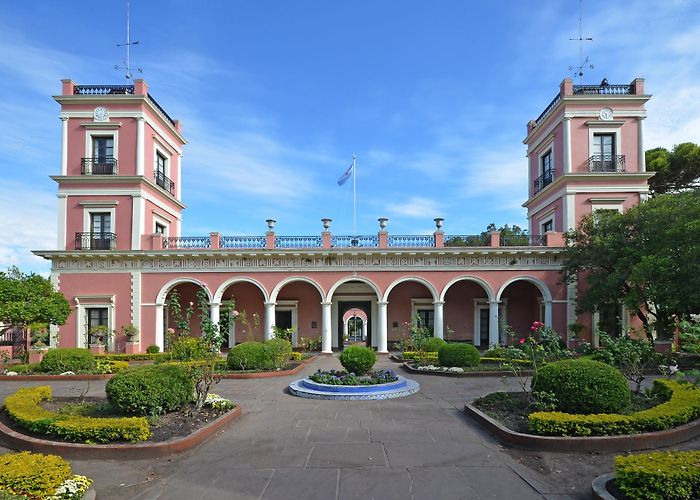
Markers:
(484, 285)
(160, 298)
(417, 279)
(292, 279)
(544, 290)
(347, 279)
(238, 279)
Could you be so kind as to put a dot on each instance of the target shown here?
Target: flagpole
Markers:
(354, 196)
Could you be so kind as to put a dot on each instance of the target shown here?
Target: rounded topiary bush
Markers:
(584, 386)
(280, 350)
(250, 356)
(433, 344)
(150, 390)
(461, 355)
(152, 349)
(67, 359)
(358, 359)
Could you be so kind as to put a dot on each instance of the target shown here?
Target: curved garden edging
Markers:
(625, 442)
(123, 451)
(599, 487)
(281, 373)
(493, 373)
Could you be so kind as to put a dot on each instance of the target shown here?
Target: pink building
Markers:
(120, 251)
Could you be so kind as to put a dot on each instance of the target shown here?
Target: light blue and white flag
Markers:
(343, 178)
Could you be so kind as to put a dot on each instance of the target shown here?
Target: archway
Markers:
(526, 300)
(182, 307)
(355, 326)
(360, 294)
(297, 304)
(467, 310)
(248, 298)
(412, 300)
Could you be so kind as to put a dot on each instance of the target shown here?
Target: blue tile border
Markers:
(403, 387)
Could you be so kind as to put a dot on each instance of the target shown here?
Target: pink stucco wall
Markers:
(121, 226)
(558, 207)
(308, 308)
(459, 308)
(248, 299)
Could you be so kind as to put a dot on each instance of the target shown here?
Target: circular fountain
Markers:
(307, 388)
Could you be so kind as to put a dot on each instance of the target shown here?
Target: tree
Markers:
(647, 259)
(513, 232)
(30, 298)
(676, 170)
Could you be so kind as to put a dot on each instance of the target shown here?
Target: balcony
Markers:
(163, 181)
(95, 241)
(105, 165)
(544, 180)
(606, 163)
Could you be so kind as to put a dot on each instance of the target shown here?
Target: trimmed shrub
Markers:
(420, 356)
(659, 475)
(461, 355)
(433, 344)
(110, 366)
(280, 351)
(67, 359)
(683, 406)
(152, 349)
(584, 386)
(150, 390)
(32, 475)
(250, 356)
(358, 359)
(133, 357)
(189, 349)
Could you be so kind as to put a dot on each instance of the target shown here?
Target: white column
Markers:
(364, 330)
(140, 146)
(64, 146)
(160, 333)
(438, 321)
(345, 327)
(548, 313)
(137, 219)
(214, 310)
(136, 299)
(269, 320)
(326, 328)
(382, 327)
(493, 323)
(567, 145)
(640, 141)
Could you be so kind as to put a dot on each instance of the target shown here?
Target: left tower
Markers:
(121, 156)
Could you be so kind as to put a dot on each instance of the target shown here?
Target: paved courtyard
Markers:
(283, 447)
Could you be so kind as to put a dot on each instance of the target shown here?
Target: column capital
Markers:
(494, 302)
(217, 304)
(140, 119)
(383, 303)
(326, 303)
(64, 119)
(270, 304)
(438, 302)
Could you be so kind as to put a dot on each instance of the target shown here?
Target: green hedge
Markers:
(189, 349)
(358, 359)
(67, 359)
(659, 475)
(682, 407)
(151, 389)
(433, 344)
(460, 355)
(250, 356)
(420, 356)
(32, 475)
(23, 407)
(584, 386)
(131, 357)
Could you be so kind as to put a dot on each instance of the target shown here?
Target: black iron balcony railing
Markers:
(186, 242)
(467, 240)
(163, 181)
(527, 240)
(242, 242)
(297, 241)
(606, 163)
(411, 241)
(544, 180)
(354, 241)
(605, 89)
(102, 89)
(95, 241)
(105, 165)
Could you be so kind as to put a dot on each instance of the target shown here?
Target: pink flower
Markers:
(171, 330)
(191, 303)
(522, 341)
(235, 313)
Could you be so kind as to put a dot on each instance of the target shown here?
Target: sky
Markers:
(275, 98)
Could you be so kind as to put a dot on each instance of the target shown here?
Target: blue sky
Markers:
(276, 96)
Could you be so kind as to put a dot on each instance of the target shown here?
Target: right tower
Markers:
(585, 153)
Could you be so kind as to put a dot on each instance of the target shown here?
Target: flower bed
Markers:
(660, 475)
(33, 475)
(333, 377)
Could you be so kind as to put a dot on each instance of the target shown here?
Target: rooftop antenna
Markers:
(584, 63)
(128, 44)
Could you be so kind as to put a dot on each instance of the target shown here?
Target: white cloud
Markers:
(415, 206)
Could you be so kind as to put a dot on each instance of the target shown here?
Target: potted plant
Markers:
(98, 336)
(131, 332)
(39, 338)
(575, 330)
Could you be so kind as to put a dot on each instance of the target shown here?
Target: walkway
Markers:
(282, 447)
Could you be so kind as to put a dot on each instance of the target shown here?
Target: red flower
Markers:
(522, 341)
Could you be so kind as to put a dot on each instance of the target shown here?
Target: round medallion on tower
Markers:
(101, 114)
(606, 114)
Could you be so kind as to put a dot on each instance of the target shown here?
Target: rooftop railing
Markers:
(411, 241)
(102, 89)
(242, 242)
(95, 241)
(604, 89)
(354, 241)
(186, 242)
(297, 242)
(527, 240)
(467, 240)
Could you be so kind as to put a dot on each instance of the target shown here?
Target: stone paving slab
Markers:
(374, 484)
(347, 455)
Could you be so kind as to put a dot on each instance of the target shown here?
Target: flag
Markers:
(345, 176)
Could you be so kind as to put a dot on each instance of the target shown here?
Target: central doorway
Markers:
(347, 305)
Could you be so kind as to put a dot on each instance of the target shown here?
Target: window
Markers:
(160, 164)
(610, 320)
(548, 226)
(160, 228)
(546, 171)
(427, 318)
(103, 162)
(604, 159)
(96, 316)
(546, 163)
(100, 230)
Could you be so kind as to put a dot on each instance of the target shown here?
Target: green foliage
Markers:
(279, 350)
(30, 298)
(250, 356)
(659, 475)
(150, 390)
(284, 333)
(32, 475)
(647, 258)
(584, 386)
(23, 407)
(461, 355)
(689, 336)
(433, 344)
(132, 357)
(189, 348)
(110, 366)
(152, 349)
(676, 170)
(358, 359)
(681, 407)
(420, 356)
(309, 345)
(344, 378)
(632, 356)
(67, 359)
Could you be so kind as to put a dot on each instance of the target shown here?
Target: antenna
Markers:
(128, 44)
(584, 63)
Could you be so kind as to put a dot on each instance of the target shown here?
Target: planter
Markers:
(97, 348)
(36, 355)
(663, 346)
(132, 347)
(7, 351)
(599, 487)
